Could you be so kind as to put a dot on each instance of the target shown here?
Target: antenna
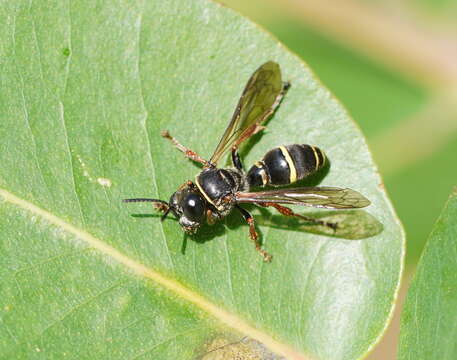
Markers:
(160, 205)
(144, 200)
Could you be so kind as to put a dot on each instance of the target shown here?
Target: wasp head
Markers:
(189, 206)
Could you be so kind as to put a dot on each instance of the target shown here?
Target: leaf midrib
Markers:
(179, 290)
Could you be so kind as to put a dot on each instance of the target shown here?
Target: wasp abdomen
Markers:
(285, 165)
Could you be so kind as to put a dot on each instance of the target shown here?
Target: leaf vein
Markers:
(261, 273)
(164, 341)
(70, 158)
(80, 305)
(68, 63)
(49, 260)
(173, 286)
(305, 288)
(148, 140)
(229, 269)
(9, 331)
(29, 128)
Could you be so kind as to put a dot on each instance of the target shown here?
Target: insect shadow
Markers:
(205, 234)
(352, 224)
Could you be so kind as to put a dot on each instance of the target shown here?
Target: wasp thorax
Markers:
(219, 186)
(190, 207)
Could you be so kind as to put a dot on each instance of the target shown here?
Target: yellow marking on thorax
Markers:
(290, 162)
(203, 192)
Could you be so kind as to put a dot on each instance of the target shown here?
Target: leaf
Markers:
(429, 316)
(86, 89)
(352, 224)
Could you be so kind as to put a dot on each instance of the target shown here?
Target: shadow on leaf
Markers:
(351, 224)
(145, 216)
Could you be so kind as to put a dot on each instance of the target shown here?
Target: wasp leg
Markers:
(253, 234)
(162, 207)
(288, 212)
(187, 152)
(210, 218)
(236, 159)
(255, 128)
(285, 87)
(250, 131)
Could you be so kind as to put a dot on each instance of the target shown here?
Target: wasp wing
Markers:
(319, 197)
(260, 97)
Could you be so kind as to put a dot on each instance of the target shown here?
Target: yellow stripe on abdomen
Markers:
(316, 157)
(290, 162)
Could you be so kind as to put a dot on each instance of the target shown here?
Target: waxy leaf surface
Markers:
(85, 89)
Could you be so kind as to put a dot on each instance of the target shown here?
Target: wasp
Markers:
(216, 191)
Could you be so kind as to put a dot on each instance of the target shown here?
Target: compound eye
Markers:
(194, 207)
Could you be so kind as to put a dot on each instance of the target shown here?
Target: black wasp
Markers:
(216, 191)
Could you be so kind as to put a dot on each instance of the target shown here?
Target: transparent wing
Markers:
(260, 97)
(319, 197)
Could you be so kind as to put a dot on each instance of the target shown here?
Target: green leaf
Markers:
(86, 89)
(429, 316)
